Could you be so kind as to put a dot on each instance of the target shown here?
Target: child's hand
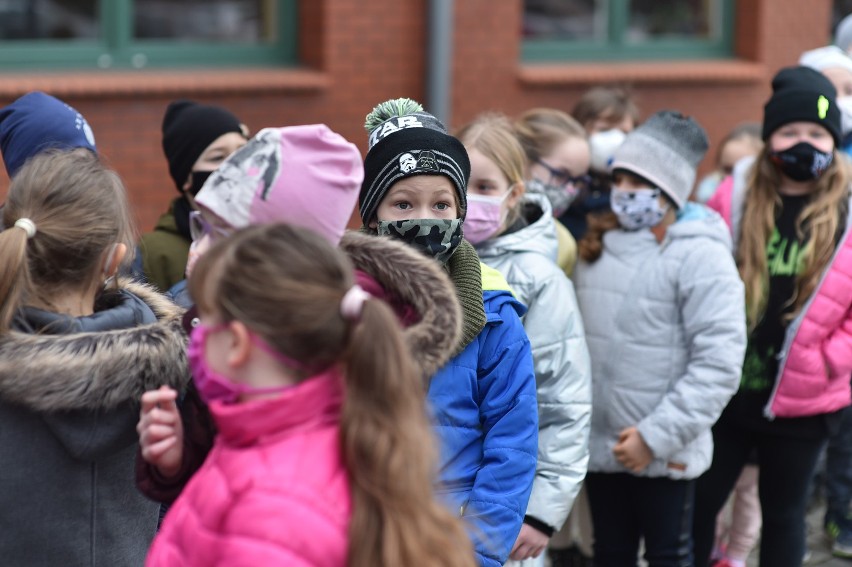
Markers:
(632, 451)
(161, 431)
(530, 543)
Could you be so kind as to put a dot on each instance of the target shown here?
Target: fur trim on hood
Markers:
(419, 282)
(96, 370)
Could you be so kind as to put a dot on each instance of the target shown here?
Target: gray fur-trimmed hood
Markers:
(418, 282)
(96, 370)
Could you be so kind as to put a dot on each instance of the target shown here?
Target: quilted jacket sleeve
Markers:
(509, 418)
(563, 380)
(712, 309)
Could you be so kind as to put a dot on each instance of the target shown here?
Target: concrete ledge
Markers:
(94, 84)
(656, 72)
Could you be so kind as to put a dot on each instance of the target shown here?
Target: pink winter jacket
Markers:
(816, 360)
(273, 491)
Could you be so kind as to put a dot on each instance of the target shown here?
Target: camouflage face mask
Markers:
(437, 238)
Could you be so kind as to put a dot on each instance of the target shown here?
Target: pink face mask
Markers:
(213, 386)
(484, 217)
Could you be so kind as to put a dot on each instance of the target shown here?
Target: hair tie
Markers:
(353, 302)
(28, 226)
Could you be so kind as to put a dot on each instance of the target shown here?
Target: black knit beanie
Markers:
(407, 141)
(188, 128)
(801, 94)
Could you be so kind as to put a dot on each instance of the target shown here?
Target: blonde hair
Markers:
(286, 285)
(540, 130)
(818, 224)
(79, 208)
(492, 135)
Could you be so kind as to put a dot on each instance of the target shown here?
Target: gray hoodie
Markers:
(665, 323)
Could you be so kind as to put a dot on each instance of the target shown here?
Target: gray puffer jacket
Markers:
(665, 323)
(527, 259)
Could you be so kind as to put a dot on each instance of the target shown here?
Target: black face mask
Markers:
(802, 162)
(198, 178)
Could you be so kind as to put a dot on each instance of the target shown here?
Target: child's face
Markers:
(488, 180)
(841, 79)
(794, 133)
(734, 151)
(609, 122)
(206, 228)
(624, 181)
(566, 161)
(419, 197)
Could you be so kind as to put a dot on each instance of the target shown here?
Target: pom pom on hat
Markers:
(666, 150)
(405, 141)
(801, 94)
(36, 122)
(188, 128)
(308, 176)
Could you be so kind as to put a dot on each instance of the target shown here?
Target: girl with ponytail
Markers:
(78, 346)
(324, 454)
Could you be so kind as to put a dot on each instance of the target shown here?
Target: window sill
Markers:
(706, 71)
(94, 84)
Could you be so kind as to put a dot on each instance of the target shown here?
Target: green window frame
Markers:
(616, 48)
(118, 49)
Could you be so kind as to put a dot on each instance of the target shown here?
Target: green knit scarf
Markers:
(466, 274)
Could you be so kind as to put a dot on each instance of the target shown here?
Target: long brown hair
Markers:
(286, 285)
(818, 224)
(79, 208)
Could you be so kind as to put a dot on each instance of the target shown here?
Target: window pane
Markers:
(662, 19)
(238, 21)
(566, 19)
(49, 20)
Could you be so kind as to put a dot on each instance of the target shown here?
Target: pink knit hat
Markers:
(307, 176)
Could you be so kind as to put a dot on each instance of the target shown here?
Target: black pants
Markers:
(786, 465)
(627, 508)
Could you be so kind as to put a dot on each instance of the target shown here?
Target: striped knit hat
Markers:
(405, 141)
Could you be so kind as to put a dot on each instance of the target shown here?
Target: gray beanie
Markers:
(843, 34)
(665, 150)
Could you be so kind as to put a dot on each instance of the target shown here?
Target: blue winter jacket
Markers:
(484, 405)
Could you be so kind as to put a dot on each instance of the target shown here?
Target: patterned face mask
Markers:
(437, 238)
(638, 208)
(560, 196)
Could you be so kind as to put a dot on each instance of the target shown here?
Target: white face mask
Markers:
(638, 208)
(844, 103)
(602, 146)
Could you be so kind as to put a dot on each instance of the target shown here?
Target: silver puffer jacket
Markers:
(527, 259)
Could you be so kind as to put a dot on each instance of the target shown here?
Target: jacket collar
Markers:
(309, 405)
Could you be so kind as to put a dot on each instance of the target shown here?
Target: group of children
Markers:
(429, 390)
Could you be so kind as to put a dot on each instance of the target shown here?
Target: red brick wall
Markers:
(357, 53)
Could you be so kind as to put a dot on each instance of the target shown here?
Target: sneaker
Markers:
(842, 546)
(571, 557)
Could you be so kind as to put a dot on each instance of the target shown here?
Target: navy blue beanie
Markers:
(36, 122)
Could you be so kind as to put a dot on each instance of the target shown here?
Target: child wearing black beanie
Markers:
(484, 399)
(196, 139)
(789, 212)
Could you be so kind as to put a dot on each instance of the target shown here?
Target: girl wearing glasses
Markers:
(513, 231)
(557, 167)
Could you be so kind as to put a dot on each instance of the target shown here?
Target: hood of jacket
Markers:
(698, 221)
(136, 343)
(538, 236)
(419, 282)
